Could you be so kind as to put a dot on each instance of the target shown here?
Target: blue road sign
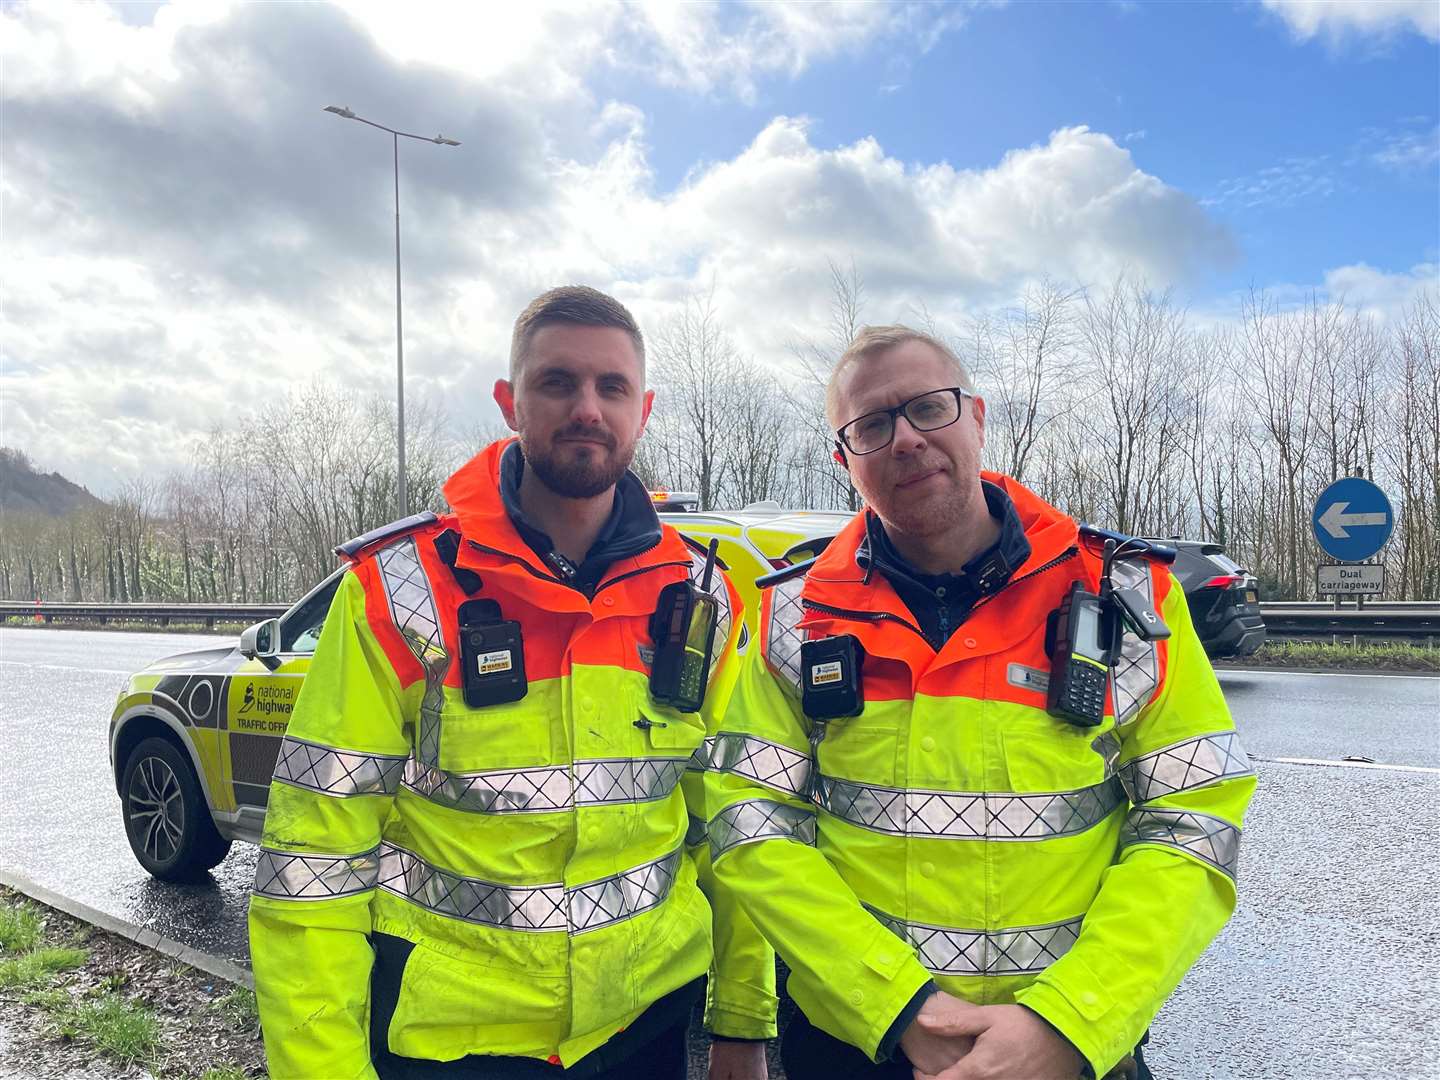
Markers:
(1352, 519)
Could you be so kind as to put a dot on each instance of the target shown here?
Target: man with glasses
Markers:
(964, 885)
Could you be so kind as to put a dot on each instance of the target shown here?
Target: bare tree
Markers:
(694, 362)
(1022, 357)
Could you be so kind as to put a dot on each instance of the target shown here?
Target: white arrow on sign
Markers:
(1335, 520)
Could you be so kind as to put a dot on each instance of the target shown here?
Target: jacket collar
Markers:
(477, 494)
(987, 572)
(842, 575)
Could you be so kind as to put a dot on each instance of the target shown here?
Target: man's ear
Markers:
(505, 398)
(647, 403)
(978, 404)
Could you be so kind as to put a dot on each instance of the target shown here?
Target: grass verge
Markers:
(74, 997)
(1348, 657)
(121, 1029)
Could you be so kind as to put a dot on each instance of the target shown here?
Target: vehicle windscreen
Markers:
(300, 628)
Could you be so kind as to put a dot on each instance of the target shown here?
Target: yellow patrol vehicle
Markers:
(194, 737)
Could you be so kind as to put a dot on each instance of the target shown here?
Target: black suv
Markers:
(1223, 596)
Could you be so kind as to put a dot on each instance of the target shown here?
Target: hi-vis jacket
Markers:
(534, 854)
(955, 830)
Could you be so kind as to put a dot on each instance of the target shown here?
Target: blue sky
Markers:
(1211, 97)
(180, 212)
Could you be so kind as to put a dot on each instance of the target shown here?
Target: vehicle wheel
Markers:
(166, 819)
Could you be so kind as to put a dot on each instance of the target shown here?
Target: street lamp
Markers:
(399, 336)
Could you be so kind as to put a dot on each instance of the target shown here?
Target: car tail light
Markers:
(780, 564)
(1225, 581)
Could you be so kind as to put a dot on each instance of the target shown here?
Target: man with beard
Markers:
(967, 879)
(477, 858)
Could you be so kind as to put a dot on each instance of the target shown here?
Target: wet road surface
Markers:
(1326, 970)
(61, 825)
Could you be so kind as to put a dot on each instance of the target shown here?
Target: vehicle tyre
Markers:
(166, 819)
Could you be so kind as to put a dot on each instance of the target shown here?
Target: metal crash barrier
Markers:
(1413, 621)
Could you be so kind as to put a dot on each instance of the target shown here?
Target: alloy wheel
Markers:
(156, 808)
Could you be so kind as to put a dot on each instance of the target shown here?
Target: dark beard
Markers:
(583, 479)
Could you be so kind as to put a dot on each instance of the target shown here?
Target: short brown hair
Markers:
(873, 340)
(577, 305)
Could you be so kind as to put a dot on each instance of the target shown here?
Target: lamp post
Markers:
(395, 137)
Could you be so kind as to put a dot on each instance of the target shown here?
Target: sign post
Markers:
(1352, 521)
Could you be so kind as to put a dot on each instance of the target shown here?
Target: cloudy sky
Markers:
(186, 233)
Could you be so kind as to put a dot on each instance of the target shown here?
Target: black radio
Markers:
(1077, 637)
(1085, 634)
(683, 629)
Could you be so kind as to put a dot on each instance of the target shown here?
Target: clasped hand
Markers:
(950, 1039)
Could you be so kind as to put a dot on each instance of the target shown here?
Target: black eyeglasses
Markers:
(929, 411)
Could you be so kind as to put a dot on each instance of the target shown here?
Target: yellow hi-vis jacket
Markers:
(956, 831)
(534, 854)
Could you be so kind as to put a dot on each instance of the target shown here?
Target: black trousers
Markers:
(811, 1054)
(651, 1048)
(662, 1058)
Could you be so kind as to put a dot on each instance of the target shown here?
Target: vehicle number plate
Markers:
(1250, 596)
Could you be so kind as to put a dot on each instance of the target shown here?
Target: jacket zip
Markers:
(635, 573)
(1065, 556)
(863, 616)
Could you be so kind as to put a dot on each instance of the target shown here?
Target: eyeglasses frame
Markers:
(961, 394)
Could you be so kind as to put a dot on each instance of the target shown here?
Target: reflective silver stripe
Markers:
(528, 908)
(337, 772)
(1108, 747)
(504, 791)
(782, 638)
(695, 831)
(548, 788)
(948, 950)
(1137, 670)
(771, 764)
(968, 815)
(1194, 763)
(511, 907)
(626, 780)
(412, 607)
(718, 589)
(284, 875)
(759, 819)
(1212, 839)
(623, 896)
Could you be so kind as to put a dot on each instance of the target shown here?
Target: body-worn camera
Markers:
(492, 655)
(830, 684)
(683, 629)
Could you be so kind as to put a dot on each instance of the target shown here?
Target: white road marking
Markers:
(1347, 764)
(1322, 674)
(63, 667)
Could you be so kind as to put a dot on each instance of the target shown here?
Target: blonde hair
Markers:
(871, 342)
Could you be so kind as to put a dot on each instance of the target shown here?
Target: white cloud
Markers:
(1384, 295)
(1291, 180)
(188, 235)
(701, 47)
(1409, 150)
(1340, 19)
